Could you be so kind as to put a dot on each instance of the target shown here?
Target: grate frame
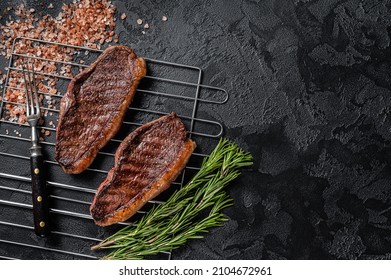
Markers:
(36, 245)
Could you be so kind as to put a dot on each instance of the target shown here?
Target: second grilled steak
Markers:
(94, 106)
(146, 163)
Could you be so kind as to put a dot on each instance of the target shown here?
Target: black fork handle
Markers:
(40, 198)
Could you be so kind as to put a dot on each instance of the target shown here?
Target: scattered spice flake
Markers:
(123, 16)
(146, 26)
(139, 21)
(53, 91)
(47, 132)
(164, 18)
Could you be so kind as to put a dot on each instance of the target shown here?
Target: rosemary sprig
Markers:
(168, 226)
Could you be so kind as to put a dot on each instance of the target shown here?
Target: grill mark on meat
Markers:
(94, 106)
(146, 163)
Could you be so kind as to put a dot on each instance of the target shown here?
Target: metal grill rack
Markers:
(167, 87)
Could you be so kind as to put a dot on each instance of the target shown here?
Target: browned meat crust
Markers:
(146, 163)
(94, 106)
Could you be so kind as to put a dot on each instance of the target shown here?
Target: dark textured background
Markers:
(310, 98)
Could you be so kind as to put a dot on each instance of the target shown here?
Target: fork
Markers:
(38, 180)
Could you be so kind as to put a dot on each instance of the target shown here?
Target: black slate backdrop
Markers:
(309, 85)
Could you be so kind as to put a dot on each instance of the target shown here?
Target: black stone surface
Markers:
(309, 84)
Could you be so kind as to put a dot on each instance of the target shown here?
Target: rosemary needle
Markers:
(182, 217)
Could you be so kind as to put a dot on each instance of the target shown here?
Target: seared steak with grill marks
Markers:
(94, 106)
(146, 163)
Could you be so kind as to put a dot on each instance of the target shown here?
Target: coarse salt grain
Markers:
(123, 16)
(164, 18)
(139, 21)
(146, 26)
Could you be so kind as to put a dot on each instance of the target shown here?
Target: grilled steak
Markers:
(146, 163)
(94, 106)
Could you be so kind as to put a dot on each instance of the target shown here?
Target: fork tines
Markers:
(30, 85)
